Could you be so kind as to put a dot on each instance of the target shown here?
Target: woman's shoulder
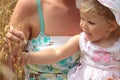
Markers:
(27, 3)
(26, 7)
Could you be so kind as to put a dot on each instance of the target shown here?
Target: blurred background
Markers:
(6, 9)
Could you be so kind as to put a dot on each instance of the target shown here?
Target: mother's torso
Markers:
(61, 18)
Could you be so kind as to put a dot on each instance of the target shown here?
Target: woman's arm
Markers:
(19, 28)
(20, 21)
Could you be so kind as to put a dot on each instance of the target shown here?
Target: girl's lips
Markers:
(87, 33)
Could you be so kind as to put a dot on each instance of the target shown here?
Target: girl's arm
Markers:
(50, 55)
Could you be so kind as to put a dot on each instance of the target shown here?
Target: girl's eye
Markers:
(90, 22)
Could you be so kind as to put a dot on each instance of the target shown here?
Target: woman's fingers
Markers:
(12, 37)
(15, 35)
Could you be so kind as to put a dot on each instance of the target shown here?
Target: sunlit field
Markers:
(6, 9)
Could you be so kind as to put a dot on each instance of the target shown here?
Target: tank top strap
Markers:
(41, 19)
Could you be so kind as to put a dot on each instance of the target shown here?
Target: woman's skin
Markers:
(61, 18)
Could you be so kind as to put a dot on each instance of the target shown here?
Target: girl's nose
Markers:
(83, 24)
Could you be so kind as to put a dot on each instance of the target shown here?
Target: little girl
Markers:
(99, 43)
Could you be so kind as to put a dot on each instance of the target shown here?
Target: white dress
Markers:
(97, 63)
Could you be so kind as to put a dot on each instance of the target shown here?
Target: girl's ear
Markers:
(113, 26)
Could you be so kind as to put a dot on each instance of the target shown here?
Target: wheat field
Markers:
(6, 10)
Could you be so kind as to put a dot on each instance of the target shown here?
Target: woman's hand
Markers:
(15, 35)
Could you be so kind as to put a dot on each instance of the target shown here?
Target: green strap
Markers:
(40, 16)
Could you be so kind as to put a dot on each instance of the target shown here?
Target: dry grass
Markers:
(6, 9)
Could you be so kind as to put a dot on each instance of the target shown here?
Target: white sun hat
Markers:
(78, 4)
(114, 6)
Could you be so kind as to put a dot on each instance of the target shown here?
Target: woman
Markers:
(46, 23)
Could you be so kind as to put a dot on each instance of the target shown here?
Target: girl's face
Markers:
(96, 28)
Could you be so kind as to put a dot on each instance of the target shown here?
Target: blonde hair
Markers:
(93, 6)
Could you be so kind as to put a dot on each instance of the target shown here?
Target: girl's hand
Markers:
(112, 79)
(18, 47)
(25, 58)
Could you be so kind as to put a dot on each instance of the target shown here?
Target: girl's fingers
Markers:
(23, 62)
(20, 47)
(112, 79)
